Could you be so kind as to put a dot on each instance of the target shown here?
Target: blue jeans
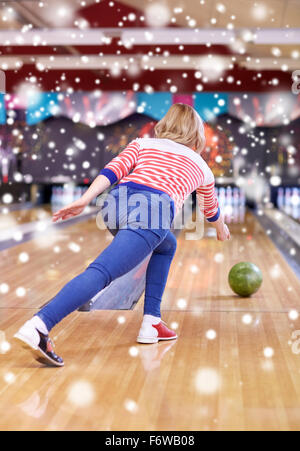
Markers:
(134, 240)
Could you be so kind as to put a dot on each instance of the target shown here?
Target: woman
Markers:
(168, 166)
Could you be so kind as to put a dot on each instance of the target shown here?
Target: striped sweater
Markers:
(166, 166)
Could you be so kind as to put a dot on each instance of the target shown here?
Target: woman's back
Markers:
(167, 166)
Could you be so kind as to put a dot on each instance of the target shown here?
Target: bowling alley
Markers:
(150, 218)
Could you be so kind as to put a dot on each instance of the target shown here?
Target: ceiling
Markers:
(247, 13)
(117, 44)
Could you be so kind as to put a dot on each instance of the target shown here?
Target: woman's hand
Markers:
(100, 184)
(74, 209)
(223, 233)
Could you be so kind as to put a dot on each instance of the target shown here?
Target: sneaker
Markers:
(152, 333)
(40, 345)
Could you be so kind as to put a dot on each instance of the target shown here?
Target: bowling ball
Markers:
(245, 278)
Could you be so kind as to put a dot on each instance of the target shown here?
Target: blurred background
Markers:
(83, 78)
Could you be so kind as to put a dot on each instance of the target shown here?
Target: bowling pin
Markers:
(280, 198)
(222, 197)
(59, 196)
(287, 201)
(295, 201)
(236, 197)
(229, 199)
(242, 198)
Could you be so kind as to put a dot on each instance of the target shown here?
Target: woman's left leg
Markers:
(127, 250)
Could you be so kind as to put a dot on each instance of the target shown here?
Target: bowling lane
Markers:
(241, 356)
(289, 225)
(197, 281)
(33, 272)
(288, 201)
(225, 372)
(198, 278)
(14, 218)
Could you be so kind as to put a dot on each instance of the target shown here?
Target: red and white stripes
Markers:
(169, 167)
(125, 161)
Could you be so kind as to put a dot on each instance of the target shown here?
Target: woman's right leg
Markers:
(157, 274)
(153, 329)
(128, 249)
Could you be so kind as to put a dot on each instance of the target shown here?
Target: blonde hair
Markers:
(183, 125)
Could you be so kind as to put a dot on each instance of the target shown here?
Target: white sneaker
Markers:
(153, 331)
(38, 343)
(29, 335)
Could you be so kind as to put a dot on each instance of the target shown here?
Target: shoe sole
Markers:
(145, 340)
(38, 354)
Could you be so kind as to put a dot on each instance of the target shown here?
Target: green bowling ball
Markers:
(245, 278)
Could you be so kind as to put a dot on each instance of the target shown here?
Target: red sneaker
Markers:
(152, 333)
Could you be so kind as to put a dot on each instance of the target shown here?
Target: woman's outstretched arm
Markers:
(114, 171)
(100, 184)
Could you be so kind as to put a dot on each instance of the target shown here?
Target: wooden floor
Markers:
(18, 217)
(235, 365)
